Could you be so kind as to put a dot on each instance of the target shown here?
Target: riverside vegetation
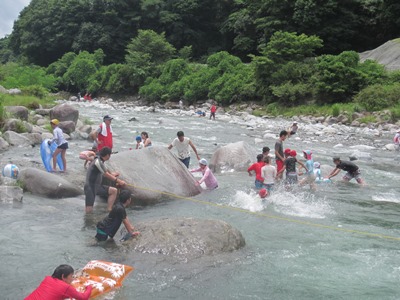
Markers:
(288, 73)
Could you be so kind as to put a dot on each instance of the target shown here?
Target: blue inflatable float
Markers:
(46, 152)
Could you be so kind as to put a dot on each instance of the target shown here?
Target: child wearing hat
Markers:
(139, 142)
(62, 144)
(208, 177)
(290, 167)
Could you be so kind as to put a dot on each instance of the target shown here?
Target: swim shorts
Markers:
(356, 175)
(63, 146)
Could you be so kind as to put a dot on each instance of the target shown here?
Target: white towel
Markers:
(104, 129)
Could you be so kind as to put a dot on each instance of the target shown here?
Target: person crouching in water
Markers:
(290, 167)
(109, 226)
(310, 176)
(208, 177)
(62, 144)
(268, 172)
(352, 170)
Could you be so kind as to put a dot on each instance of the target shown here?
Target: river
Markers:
(299, 245)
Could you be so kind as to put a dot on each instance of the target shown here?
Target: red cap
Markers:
(287, 151)
(263, 193)
(293, 153)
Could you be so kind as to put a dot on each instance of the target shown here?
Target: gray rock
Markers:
(3, 90)
(20, 112)
(38, 129)
(49, 185)
(4, 145)
(16, 139)
(35, 138)
(237, 156)
(67, 126)
(14, 91)
(86, 128)
(28, 126)
(141, 169)
(391, 147)
(186, 238)
(9, 194)
(64, 112)
(355, 123)
(43, 111)
(47, 135)
(74, 98)
(11, 124)
(42, 122)
(36, 117)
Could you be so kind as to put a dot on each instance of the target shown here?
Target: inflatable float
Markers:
(46, 152)
(103, 276)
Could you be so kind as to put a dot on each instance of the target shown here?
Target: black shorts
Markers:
(63, 146)
(102, 190)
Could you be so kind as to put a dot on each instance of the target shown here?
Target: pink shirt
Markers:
(55, 289)
(208, 177)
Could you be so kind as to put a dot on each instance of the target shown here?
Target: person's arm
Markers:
(147, 142)
(194, 150)
(281, 171)
(113, 176)
(251, 168)
(170, 147)
(96, 135)
(195, 170)
(334, 173)
(71, 292)
(130, 227)
(302, 165)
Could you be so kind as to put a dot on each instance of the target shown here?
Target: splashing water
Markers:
(250, 201)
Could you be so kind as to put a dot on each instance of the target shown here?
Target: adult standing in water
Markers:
(213, 111)
(104, 134)
(145, 139)
(182, 143)
(58, 286)
(94, 177)
(279, 156)
(352, 170)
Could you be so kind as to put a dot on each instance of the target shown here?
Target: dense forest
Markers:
(284, 52)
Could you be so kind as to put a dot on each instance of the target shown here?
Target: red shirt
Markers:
(55, 289)
(213, 109)
(256, 167)
(105, 141)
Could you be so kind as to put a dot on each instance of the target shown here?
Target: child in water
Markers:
(290, 167)
(139, 143)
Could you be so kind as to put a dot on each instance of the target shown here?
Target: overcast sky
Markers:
(9, 12)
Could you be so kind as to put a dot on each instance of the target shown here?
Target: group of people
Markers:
(286, 160)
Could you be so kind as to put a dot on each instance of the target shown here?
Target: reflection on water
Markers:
(281, 260)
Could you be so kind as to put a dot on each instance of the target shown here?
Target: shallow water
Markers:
(298, 244)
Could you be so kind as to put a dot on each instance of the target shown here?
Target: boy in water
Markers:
(256, 167)
(352, 170)
(279, 156)
(290, 167)
(109, 226)
(139, 143)
(268, 172)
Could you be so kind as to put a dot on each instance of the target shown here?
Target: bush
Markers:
(335, 110)
(35, 90)
(378, 97)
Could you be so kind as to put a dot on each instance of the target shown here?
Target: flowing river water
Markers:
(299, 245)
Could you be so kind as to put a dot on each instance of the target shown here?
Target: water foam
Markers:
(250, 201)
(386, 197)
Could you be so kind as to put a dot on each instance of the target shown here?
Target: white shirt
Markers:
(268, 172)
(58, 136)
(182, 147)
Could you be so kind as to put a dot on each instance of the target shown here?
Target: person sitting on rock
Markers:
(293, 129)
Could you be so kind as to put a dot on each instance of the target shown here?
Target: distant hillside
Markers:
(387, 54)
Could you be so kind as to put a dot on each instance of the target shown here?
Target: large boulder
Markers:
(64, 112)
(186, 237)
(67, 126)
(237, 156)
(49, 185)
(152, 174)
(20, 112)
(16, 139)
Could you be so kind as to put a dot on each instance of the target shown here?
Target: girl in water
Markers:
(146, 140)
(58, 286)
